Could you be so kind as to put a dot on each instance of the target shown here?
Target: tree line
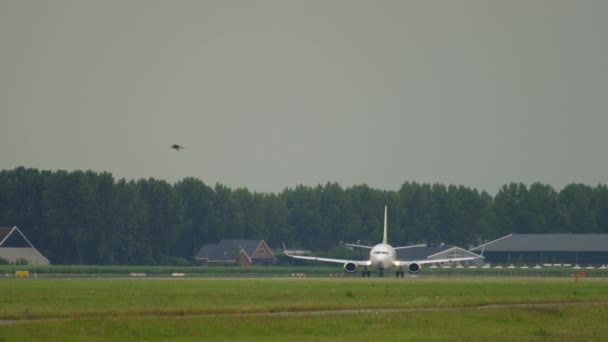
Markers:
(86, 217)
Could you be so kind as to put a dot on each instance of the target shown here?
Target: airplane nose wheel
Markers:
(381, 273)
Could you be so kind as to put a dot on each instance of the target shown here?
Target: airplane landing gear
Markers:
(365, 273)
(399, 273)
(381, 273)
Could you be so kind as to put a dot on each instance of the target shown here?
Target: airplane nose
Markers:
(380, 260)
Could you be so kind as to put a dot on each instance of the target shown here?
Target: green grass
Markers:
(534, 324)
(183, 309)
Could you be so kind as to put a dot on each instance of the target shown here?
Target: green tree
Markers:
(580, 206)
(64, 213)
(163, 210)
(137, 233)
(98, 217)
(367, 215)
(421, 221)
(509, 214)
(601, 195)
(196, 203)
(303, 205)
(223, 213)
(276, 218)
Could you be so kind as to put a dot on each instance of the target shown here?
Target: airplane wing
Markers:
(412, 246)
(337, 261)
(358, 246)
(432, 261)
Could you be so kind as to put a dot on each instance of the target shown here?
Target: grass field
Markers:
(210, 309)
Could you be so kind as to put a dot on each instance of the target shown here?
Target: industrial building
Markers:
(574, 249)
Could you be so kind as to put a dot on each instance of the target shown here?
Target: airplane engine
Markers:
(350, 267)
(413, 268)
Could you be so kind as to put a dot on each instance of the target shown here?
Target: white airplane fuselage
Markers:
(382, 256)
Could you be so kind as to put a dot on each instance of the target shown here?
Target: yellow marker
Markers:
(22, 274)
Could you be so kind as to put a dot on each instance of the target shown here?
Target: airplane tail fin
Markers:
(384, 238)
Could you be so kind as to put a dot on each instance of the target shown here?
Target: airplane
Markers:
(382, 256)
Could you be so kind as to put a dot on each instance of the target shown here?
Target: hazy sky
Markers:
(272, 94)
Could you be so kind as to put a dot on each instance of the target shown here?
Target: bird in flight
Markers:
(177, 147)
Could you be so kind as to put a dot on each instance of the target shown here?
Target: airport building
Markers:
(16, 248)
(574, 249)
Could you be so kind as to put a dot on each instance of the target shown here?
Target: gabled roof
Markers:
(4, 231)
(219, 252)
(13, 237)
(14, 245)
(249, 246)
(548, 243)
